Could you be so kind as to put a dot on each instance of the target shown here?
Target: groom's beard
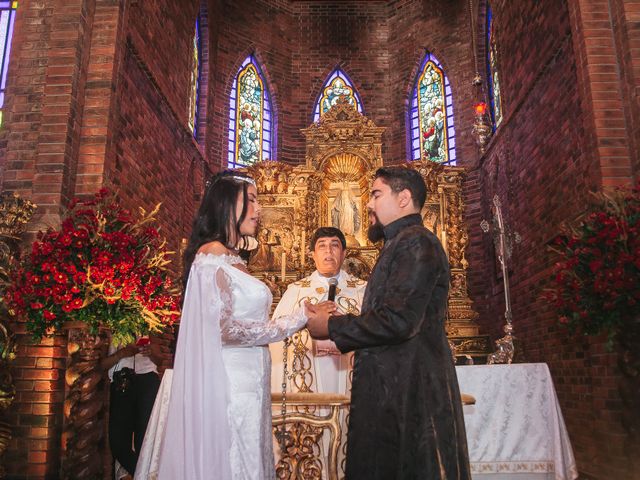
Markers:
(376, 230)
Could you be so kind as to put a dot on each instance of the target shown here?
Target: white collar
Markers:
(316, 277)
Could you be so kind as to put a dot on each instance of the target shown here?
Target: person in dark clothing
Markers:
(134, 384)
(406, 417)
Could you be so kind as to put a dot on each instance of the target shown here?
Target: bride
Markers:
(216, 422)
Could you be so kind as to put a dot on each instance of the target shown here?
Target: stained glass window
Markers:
(433, 136)
(196, 63)
(337, 85)
(7, 18)
(250, 117)
(495, 103)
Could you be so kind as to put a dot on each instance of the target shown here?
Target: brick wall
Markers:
(378, 44)
(40, 136)
(98, 94)
(90, 103)
(563, 135)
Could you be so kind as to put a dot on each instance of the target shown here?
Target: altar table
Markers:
(515, 430)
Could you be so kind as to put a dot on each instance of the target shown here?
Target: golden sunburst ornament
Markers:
(345, 167)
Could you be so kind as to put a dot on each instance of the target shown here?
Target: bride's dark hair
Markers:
(216, 218)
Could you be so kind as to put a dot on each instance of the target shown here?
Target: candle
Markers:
(283, 265)
(303, 248)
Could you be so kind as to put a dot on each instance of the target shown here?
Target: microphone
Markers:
(333, 283)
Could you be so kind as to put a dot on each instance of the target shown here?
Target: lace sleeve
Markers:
(250, 332)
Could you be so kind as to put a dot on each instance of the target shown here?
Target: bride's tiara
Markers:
(243, 179)
(239, 178)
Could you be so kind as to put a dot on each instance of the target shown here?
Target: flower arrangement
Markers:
(596, 282)
(103, 267)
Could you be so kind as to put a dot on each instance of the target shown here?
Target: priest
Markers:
(406, 413)
(329, 367)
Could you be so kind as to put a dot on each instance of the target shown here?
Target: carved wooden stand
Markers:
(301, 458)
(83, 435)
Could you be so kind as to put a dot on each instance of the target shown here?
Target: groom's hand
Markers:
(318, 322)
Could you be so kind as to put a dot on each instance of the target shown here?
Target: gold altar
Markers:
(343, 150)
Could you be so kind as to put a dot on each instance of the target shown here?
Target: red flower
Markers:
(46, 248)
(596, 282)
(151, 232)
(100, 256)
(595, 265)
(60, 277)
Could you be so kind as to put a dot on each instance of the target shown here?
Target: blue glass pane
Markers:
(493, 77)
(7, 18)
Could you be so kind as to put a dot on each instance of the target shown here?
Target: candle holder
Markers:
(504, 239)
(481, 129)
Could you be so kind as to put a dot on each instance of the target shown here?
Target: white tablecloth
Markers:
(515, 430)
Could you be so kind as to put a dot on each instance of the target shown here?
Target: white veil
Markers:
(197, 436)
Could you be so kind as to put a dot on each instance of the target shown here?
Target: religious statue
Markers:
(345, 214)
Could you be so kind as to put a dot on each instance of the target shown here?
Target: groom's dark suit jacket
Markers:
(406, 414)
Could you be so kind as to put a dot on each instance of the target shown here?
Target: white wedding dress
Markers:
(216, 421)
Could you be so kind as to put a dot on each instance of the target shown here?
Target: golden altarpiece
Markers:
(343, 150)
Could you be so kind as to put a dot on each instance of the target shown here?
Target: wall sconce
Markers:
(481, 130)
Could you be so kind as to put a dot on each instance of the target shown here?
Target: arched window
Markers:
(431, 115)
(337, 85)
(250, 118)
(196, 71)
(7, 18)
(493, 78)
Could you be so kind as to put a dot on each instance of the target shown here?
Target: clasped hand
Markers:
(318, 318)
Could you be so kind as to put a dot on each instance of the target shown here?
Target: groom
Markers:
(406, 414)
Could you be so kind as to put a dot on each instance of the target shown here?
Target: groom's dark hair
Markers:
(327, 232)
(405, 178)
